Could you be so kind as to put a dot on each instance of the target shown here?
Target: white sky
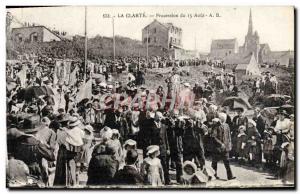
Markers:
(275, 25)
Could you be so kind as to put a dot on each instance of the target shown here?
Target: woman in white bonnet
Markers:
(71, 146)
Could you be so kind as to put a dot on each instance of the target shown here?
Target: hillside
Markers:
(98, 47)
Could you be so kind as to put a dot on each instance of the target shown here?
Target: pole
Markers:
(139, 61)
(114, 40)
(85, 45)
(147, 46)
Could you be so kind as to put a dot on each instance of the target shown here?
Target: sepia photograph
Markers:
(150, 97)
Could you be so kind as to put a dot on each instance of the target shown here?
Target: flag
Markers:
(73, 78)
(85, 91)
(55, 80)
(68, 71)
(22, 76)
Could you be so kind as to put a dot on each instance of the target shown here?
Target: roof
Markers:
(40, 26)
(223, 44)
(166, 25)
(237, 59)
(278, 56)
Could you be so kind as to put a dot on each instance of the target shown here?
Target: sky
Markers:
(275, 25)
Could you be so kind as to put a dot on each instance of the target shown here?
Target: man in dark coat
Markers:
(159, 137)
(198, 91)
(175, 133)
(260, 122)
(260, 126)
(222, 142)
(129, 175)
(144, 135)
(31, 151)
(237, 121)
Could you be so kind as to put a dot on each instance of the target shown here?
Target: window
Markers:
(174, 40)
(149, 40)
(154, 39)
(229, 52)
(34, 37)
(19, 38)
(145, 40)
(154, 30)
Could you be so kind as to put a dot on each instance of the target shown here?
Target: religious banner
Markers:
(85, 91)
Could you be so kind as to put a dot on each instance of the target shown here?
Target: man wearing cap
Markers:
(222, 142)
(31, 150)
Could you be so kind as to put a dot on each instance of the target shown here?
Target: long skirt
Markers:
(65, 174)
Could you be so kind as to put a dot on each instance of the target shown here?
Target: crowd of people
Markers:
(129, 134)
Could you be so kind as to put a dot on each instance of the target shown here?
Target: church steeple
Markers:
(250, 26)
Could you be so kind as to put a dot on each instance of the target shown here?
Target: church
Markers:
(252, 46)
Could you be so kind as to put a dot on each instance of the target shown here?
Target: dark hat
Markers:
(283, 112)
(14, 133)
(30, 124)
(239, 109)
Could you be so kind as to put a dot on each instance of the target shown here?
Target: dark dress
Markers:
(102, 169)
(128, 176)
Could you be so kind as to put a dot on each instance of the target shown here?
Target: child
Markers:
(241, 142)
(191, 176)
(268, 146)
(128, 145)
(116, 145)
(152, 169)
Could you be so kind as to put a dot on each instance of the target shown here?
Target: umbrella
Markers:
(35, 92)
(274, 100)
(236, 102)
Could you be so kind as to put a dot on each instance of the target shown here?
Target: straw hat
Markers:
(129, 142)
(74, 121)
(152, 149)
(216, 120)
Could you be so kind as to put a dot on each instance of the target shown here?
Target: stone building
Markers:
(30, 34)
(221, 48)
(164, 35)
